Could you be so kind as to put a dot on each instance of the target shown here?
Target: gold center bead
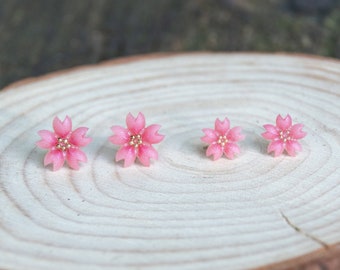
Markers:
(222, 140)
(63, 144)
(285, 136)
(135, 140)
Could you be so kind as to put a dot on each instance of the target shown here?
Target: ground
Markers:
(40, 36)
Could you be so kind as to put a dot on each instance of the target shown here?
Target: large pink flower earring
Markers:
(222, 139)
(284, 136)
(64, 144)
(136, 140)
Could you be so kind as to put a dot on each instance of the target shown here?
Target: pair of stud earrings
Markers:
(136, 140)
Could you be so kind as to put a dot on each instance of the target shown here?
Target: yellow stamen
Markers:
(222, 140)
(63, 144)
(135, 140)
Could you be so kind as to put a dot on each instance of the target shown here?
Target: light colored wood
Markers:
(185, 211)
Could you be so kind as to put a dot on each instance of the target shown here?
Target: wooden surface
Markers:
(185, 211)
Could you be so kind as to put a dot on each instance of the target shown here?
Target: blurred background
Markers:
(40, 36)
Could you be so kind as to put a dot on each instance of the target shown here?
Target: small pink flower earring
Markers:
(284, 136)
(64, 144)
(222, 139)
(136, 140)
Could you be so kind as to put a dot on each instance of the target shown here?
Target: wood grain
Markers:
(185, 211)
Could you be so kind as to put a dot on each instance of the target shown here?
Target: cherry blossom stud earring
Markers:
(64, 144)
(222, 139)
(136, 140)
(284, 136)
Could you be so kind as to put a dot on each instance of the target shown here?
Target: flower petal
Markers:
(230, 149)
(215, 150)
(145, 153)
(277, 147)
(128, 153)
(235, 134)
(222, 126)
(271, 132)
(62, 129)
(56, 157)
(269, 136)
(151, 135)
(210, 135)
(135, 125)
(120, 136)
(48, 139)
(292, 147)
(283, 123)
(74, 156)
(296, 131)
(271, 128)
(78, 137)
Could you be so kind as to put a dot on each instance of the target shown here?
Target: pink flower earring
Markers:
(222, 139)
(64, 144)
(136, 140)
(284, 136)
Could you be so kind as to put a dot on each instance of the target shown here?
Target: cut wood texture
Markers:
(185, 211)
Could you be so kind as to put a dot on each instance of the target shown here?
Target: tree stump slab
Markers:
(185, 211)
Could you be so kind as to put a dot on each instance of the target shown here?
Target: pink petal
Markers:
(121, 135)
(135, 125)
(210, 135)
(128, 153)
(271, 132)
(235, 135)
(269, 136)
(215, 150)
(271, 128)
(56, 157)
(62, 129)
(151, 135)
(222, 126)
(277, 147)
(283, 123)
(292, 147)
(230, 149)
(78, 137)
(74, 156)
(296, 131)
(145, 153)
(48, 139)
